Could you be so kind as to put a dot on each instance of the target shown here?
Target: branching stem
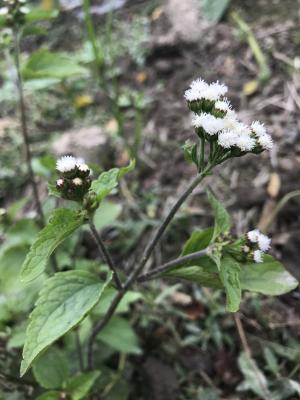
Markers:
(105, 255)
(171, 264)
(136, 272)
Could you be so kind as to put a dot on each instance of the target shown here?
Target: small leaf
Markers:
(53, 191)
(108, 296)
(120, 336)
(106, 214)
(108, 180)
(222, 218)
(51, 369)
(79, 386)
(44, 64)
(64, 301)
(269, 278)
(62, 223)
(199, 240)
(229, 274)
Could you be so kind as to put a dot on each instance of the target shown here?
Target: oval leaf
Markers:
(269, 278)
(229, 274)
(64, 301)
(62, 223)
(222, 218)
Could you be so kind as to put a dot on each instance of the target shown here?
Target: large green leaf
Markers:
(44, 64)
(79, 386)
(199, 240)
(62, 223)
(229, 274)
(106, 214)
(64, 301)
(51, 369)
(222, 218)
(108, 180)
(119, 334)
(213, 10)
(269, 278)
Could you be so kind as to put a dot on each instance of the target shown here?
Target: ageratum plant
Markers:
(212, 257)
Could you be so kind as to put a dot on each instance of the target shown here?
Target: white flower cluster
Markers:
(68, 163)
(263, 242)
(199, 90)
(231, 133)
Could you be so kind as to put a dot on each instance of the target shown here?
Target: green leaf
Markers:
(197, 274)
(64, 301)
(63, 222)
(79, 386)
(53, 191)
(40, 14)
(44, 64)
(199, 240)
(119, 334)
(213, 10)
(255, 380)
(51, 369)
(269, 278)
(108, 296)
(222, 218)
(51, 395)
(108, 180)
(106, 214)
(229, 274)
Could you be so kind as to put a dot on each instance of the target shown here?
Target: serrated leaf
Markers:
(44, 64)
(108, 180)
(63, 222)
(64, 301)
(222, 218)
(119, 334)
(79, 386)
(269, 278)
(51, 369)
(229, 274)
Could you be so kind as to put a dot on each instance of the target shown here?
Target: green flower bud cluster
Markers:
(74, 181)
(14, 12)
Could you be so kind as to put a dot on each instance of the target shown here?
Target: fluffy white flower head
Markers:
(199, 89)
(208, 122)
(258, 128)
(253, 235)
(245, 142)
(3, 10)
(264, 242)
(223, 105)
(227, 139)
(83, 167)
(59, 182)
(265, 141)
(66, 163)
(258, 256)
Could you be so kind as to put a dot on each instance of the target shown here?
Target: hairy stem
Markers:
(105, 254)
(171, 264)
(136, 272)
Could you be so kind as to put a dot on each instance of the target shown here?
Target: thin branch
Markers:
(26, 141)
(136, 272)
(171, 264)
(25, 130)
(105, 254)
